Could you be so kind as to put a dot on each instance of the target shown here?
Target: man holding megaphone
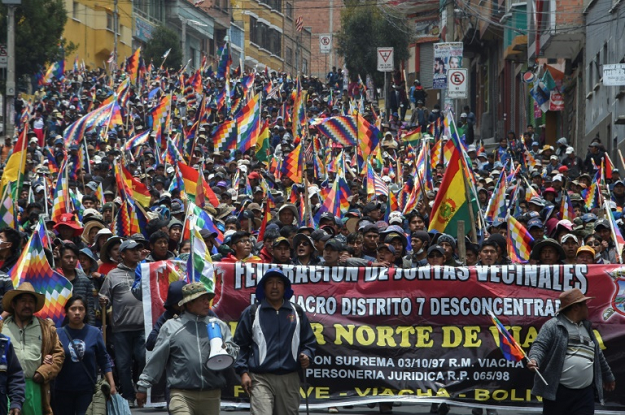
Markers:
(193, 349)
(276, 340)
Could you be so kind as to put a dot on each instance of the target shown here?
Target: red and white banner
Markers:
(424, 335)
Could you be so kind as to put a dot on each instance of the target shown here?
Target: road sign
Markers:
(457, 84)
(385, 59)
(614, 74)
(4, 56)
(325, 43)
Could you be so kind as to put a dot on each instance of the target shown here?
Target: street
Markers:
(404, 409)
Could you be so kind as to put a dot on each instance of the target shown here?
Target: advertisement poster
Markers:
(446, 56)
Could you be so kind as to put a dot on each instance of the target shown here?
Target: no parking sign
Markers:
(457, 83)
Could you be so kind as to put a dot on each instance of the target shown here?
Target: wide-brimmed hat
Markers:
(67, 219)
(192, 291)
(104, 251)
(302, 237)
(567, 298)
(273, 272)
(88, 227)
(23, 288)
(542, 244)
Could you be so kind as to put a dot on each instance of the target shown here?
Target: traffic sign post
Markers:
(385, 59)
(325, 44)
(457, 83)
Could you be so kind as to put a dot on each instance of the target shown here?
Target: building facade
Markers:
(324, 19)
(92, 27)
(270, 38)
(605, 114)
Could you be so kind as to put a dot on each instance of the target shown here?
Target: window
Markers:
(289, 11)
(110, 21)
(275, 4)
(289, 55)
(253, 35)
(304, 65)
(75, 9)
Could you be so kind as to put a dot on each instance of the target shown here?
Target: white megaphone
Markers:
(218, 359)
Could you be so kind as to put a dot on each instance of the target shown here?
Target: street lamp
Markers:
(10, 93)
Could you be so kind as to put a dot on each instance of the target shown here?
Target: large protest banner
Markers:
(425, 334)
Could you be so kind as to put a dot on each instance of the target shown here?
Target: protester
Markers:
(271, 378)
(41, 354)
(128, 335)
(12, 384)
(568, 355)
(182, 350)
(85, 352)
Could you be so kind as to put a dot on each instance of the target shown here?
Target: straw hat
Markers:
(23, 288)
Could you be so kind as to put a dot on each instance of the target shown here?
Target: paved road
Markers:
(405, 409)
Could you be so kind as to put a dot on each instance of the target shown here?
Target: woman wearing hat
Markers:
(69, 229)
(109, 255)
(85, 352)
(100, 238)
(91, 230)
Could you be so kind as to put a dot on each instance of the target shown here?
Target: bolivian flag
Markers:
(451, 204)
(262, 144)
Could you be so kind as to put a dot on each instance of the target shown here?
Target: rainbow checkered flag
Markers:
(509, 347)
(519, 241)
(7, 209)
(617, 236)
(200, 265)
(33, 267)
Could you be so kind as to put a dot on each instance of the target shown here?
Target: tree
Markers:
(39, 26)
(162, 40)
(365, 26)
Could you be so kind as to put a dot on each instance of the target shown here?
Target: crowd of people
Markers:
(262, 215)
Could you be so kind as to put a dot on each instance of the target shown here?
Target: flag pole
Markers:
(466, 183)
(515, 345)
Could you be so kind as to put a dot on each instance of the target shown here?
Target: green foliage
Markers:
(365, 26)
(162, 40)
(39, 27)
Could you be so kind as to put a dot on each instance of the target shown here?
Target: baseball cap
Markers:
(128, 244)
(586, 248)
(281, 240)
(334, 244)
(567, 237)
(436, 248)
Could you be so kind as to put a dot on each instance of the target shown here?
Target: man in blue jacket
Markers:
(270, 355)
(12, 383)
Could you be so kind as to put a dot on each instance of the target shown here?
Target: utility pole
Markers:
(184, 39)
(451, 37)
(9, 97)
(115, 28)
(331, 31)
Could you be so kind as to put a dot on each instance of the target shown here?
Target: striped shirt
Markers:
(577, 371)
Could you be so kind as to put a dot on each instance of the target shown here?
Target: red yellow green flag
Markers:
(451, 204)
